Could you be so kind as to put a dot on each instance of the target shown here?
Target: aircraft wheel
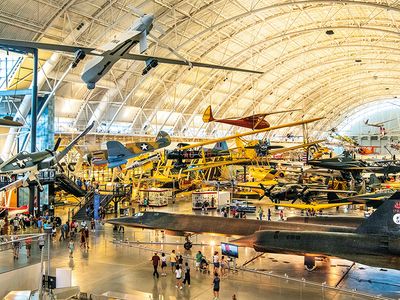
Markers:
(309, 263)
(71, 167)
(187, 245)
(91, 85)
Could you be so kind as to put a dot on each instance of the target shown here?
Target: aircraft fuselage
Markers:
(373, 250)
(24, 162)
(120, 45)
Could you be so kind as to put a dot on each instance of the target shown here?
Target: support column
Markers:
(34, 100)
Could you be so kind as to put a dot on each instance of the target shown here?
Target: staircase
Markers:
(104, 201)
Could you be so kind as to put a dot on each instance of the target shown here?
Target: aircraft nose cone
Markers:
(147, 20)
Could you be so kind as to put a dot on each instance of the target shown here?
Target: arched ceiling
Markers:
(323, 74)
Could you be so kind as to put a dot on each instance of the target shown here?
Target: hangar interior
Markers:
(277, 112)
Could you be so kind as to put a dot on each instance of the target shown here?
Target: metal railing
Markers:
(303, 283)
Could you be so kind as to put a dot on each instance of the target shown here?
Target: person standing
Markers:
(92, 225)
(163, 264)
(215, 284)
(41, 242)
(62, 235)
(281, 214)
(178, 276)
(260, 213)
(66, 229)
(16, 245)
(172, 259)
(156, 261)
(199, 257)
(180, 261)
(216, 262)
(28, 246)
(83, 239)
(71, 248)
(15, 224)
(86, 230)
(269, 214)
(187, 274)
(224, 265)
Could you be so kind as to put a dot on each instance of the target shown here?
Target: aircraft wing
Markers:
(283, 150)
(256, 184)
(20, 45)
(64, 152)
(217, 164)
(213, 141)
(316, 207)
(190, 64)
(13, 185)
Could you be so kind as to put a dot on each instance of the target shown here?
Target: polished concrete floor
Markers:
(116, 264)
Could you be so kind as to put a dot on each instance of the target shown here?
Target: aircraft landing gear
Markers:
(150, 64)
(79, 55)
(188, 244)
(309, 263)
(91, 85)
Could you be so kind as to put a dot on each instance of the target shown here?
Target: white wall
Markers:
(26, 278)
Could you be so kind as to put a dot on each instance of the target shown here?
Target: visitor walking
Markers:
(178, 276)
(163, 264)
(199, 257)
(71, 248)
(172, 259)
(215, 284)
(187, 274)
(156, 261)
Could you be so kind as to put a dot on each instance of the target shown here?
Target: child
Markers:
(187, 274)
(71, 247)
(93, 225)
(178, 275)
(215, 283)
(163, 264)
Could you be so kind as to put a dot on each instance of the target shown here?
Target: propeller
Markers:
(54, 153)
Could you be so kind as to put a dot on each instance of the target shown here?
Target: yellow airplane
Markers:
(213, 141)
(311, 206)
(246, 160)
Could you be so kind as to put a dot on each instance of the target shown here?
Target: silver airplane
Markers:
(118, 48)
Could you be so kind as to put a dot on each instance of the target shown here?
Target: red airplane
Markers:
(253, 122)
(367, 150)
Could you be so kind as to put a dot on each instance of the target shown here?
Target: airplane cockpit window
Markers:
(138, 215)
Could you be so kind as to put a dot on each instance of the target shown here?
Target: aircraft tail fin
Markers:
(163, 139)
(162, 135)
(385, 220)
(332, 197)
(207, 115)
(118, 154)
(221, 146)
(374, 180)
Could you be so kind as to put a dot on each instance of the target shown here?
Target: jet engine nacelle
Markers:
(150, 64)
